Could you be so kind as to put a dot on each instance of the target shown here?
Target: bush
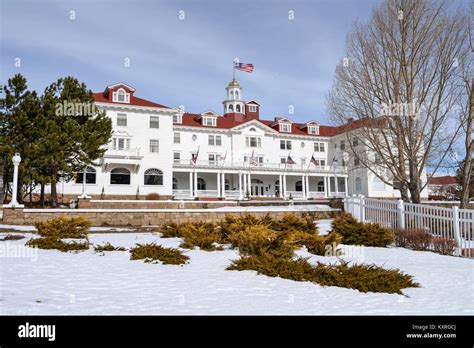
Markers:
(357, 233)
(336, 203)
(416, 239)
(365, 278)
(153, 253)
(444, 246)
(12, 237)
(292, 221)
(55, 243)
(152, 197)
(107, 247)
(64, 228)
(318, 245)
(259, 239)
(170, 230)
(202, 235)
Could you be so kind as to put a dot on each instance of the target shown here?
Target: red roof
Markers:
(101, 98)
(227, 123)
(443, 180)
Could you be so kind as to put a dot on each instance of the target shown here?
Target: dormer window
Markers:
(121, 96)
(285, 127)
(177, 119)
(313, 130)
(253, 108)
(209, 121)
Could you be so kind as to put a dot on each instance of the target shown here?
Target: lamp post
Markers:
(84, 195)
(16, 162)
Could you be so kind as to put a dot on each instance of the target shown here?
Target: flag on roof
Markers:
(244, 67)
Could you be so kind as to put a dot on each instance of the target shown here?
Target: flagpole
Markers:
(233, 72)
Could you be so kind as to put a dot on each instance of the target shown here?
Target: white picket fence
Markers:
(453, 223)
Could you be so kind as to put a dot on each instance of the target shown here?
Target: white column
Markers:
(325, 181)
(280, 185)
(303, 185)
(244, 178)
(307, 186)
(218, 184)
(284, 185)
(345, 186)
(195, 184)
(16, 162)
(240, 186)
(336, 188)
(190, 184)
(223, 185)
(249, 183)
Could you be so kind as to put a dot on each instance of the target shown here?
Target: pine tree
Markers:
(73, 138)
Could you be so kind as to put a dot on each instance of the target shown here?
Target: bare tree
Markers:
(399, 84)
(467, 118)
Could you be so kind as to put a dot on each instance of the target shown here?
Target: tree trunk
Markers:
(54, 194)
(467, 169)
(404, 194)
(42, 195)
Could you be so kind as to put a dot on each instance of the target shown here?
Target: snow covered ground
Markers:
(51, 282)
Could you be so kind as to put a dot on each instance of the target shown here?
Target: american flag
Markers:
(314, 161)
(289, 160)
(253, 160)
(194, 156)
(244, 67)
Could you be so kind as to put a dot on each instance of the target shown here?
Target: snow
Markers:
(52, 282)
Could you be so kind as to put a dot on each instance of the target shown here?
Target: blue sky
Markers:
(185, 62)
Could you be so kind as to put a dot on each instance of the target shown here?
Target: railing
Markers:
(134, 152)
(452, 223)
(258, 166)
(181, 193)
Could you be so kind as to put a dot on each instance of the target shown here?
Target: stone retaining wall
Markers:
(139, 217)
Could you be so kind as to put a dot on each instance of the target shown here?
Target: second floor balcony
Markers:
(280, 167)
(118, 156)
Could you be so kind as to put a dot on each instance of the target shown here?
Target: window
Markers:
(285, 144)
(358, 185)
(231, 107)
(285, 127)
(201, 184)
(377, 158)
(153, 176)
(343, 144)
(397, 184)
(319, 147)
(122, 120)
(313, 130)
(378, 185)
(253, 142)
(303, 162)
(177, 138)
(282, 160)
(212, 157)
(121, 96)
(154, 145)
(154, 122)
(120, 176)
(302, 144)
(90, 176)
(237, 108)
(356, 161)
(299, 186)
(321, 186)
(355, 141)
(253, 108)
(215, 140)
(322, 162)
(176, 157)
(175, 184)
(258, 160)
(177, 119)
(120, 143)
(209, 121)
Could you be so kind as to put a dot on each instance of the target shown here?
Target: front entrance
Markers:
(257, 188)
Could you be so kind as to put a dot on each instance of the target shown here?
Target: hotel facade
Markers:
(161, 150)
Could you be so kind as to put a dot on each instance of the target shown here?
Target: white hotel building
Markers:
(239, 155)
